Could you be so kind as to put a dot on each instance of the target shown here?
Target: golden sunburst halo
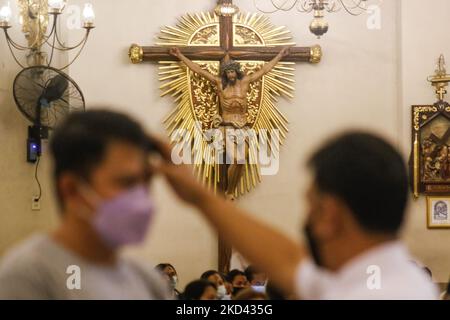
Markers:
(196, 99)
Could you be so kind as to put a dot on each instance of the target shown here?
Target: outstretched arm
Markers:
(265, 247)
(268, 66)
(193, 66)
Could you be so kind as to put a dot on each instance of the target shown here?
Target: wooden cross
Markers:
(297, 54)
(441, 141)
(226, 50)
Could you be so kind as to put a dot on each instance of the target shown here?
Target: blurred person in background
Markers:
(200, 290)
(257, 279)
(250, 294)
(102, 182)
(356, 204)
(238, 280)
(170, 275)
(228, 286)
(215, 277)
(273, 293)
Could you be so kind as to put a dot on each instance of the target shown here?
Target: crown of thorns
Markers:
(231, 65)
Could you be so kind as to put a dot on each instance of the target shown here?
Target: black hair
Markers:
(205, 275)
(160, 267)
(368, 175)
(273, 293)
(250, 272)
(78, 144)
(224, 277)
(233, 274)
(195, 289)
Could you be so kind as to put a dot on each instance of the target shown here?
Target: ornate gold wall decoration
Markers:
(316, 54)
(206, 36)
(196, 98)
(136, 54)
(34, 19)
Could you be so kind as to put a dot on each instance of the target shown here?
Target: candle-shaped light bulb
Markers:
(5, 15)
(56, 6)
(88, 15)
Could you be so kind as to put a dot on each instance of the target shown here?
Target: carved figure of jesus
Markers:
(233, 86)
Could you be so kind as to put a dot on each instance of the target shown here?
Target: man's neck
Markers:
(81, 239)
(342, 254)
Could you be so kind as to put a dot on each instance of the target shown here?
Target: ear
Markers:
(67, 187)
(71, 191)
(330, 222)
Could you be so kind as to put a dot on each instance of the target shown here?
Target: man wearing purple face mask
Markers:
(101, 179)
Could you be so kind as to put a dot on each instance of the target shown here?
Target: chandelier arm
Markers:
(79, 52)
(64, 48)
(45, 37)
(53, 50)
(53, 30)
(68, 48)
(18, 46)
(14, 44)
(332, 8)
(14, 56)
(280, 8)
(301, 6)
(15, 47)
(263, 11)
(304, 7)
(23, 48)
(59, 41)
(349, 9)
(357, 4)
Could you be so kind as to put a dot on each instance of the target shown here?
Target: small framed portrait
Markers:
(438, 212)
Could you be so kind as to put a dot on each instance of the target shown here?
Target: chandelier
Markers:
(318, 26)
(35, 17)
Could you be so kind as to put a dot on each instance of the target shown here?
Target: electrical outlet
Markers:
(35, 203)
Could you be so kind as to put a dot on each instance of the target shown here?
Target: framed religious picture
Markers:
(430, 165)
(438, 212)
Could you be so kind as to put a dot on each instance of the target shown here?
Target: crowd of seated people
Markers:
(250, 284)
(213, 285)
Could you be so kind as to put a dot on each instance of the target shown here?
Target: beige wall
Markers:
(368, 79)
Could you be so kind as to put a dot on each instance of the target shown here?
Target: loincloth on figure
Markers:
(236, 147)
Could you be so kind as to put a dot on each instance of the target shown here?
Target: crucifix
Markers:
(225, 50)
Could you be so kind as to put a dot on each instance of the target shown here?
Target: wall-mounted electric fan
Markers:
(45, 95)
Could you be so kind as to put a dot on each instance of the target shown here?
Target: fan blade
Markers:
(55, 89)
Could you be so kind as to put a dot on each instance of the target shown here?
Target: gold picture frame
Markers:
(438, 212)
